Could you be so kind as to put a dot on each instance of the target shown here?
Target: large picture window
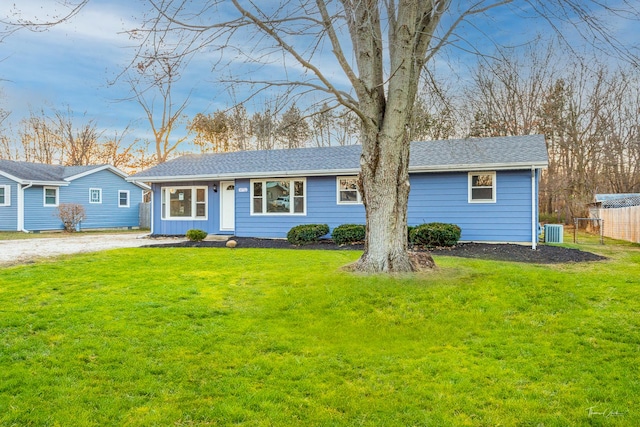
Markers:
(482, 187)
(5, 195)
(184, 203)
(50, 195)
(348, 193)
(278, 196)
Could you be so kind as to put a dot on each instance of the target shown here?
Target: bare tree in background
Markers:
(293, 130)
(17, 20)
(152, 88)
(79, 144)
(383, 81)
(263, 129)
(116, 152)
(40, 143)
(212, 132)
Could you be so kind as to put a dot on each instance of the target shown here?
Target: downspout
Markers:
(151, 209)
(534, 223)
(21, 207)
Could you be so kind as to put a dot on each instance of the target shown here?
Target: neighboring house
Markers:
(488, 186)
(620, 215)
(31, 192)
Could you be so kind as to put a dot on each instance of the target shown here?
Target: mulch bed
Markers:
(544, 254)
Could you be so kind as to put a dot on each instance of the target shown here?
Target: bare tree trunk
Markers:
(384, 185)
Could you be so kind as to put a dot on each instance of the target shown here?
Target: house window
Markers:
(123, 199)
(348, 193)
(50, 196)
(282, 196)
(482, 187)
(184, 203)
(95, 195)
(5, 195)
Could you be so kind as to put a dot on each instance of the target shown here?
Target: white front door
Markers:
(227, 206)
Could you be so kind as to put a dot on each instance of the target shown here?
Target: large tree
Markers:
(381, 48)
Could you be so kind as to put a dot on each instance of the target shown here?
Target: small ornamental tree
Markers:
(71, 214)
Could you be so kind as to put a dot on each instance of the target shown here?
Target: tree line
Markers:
(590, 116)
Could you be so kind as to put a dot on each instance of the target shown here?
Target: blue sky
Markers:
(72, 63)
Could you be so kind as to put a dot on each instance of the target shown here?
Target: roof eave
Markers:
(480, 167)
(330, 172)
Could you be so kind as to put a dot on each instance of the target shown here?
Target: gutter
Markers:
(327, 172)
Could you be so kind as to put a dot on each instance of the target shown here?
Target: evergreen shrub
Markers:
(348, 233)
(306, 233)
(435, 234)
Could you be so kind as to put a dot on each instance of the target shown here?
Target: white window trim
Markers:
(494, 187)
(44, 196)
(128, 198)
(99, 190)
(167, 209)
(358, 200)
(291, 204)
(7, 195)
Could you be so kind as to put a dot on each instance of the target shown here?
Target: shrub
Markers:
(71, 214)
(435, 234)
(306, 233)
(196, 235)
(348, 233)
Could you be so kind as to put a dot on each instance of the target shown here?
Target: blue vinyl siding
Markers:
(9, 214)
(441, 197)
(322, 208)
(99, 215)
(179, 227)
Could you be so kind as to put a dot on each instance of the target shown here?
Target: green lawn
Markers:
(181, 337)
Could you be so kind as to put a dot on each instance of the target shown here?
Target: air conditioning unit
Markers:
(553, 233)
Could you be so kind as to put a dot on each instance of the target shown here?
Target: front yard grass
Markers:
(179, 337)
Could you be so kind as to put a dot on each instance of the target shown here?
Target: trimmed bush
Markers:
(348, 233)
(196, 235)
(435, 234)
(306, 233)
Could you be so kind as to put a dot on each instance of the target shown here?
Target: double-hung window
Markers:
(123, 198)
(482, 187)
(95, 195)
(348, 193)
(279, 196)
(184, 203)
(5, 195)
(50, 196)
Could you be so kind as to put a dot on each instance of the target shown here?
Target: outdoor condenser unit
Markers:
(553, 233)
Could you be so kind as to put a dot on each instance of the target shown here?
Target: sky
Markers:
(73, 65)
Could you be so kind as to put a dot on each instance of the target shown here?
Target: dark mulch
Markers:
(544, 254)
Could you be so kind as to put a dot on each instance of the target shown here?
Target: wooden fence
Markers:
(622, 223)
(144, 215)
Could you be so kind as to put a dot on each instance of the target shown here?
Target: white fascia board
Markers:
(12, 178)
(479, 167)
(331, 172)
(46, 183)
(248, 175)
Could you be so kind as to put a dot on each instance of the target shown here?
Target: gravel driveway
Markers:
(22, 251)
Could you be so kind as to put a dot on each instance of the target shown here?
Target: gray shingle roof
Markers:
(27, 171)
(458, 154)
(621, 200)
